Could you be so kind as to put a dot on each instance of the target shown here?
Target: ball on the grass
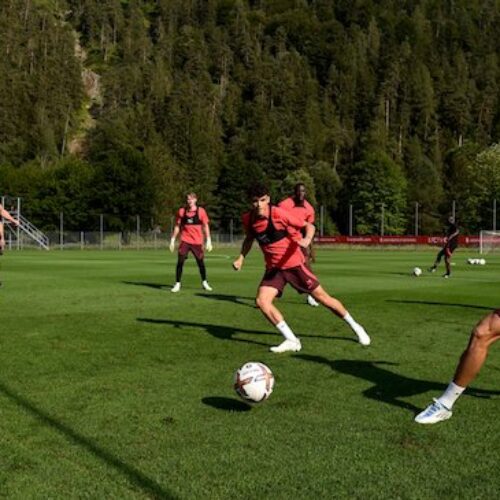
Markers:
(254, 382)
(417, 271)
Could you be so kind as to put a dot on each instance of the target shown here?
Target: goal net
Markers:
(489, 241)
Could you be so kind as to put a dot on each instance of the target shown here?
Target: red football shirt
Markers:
(192, 234)
(304, 212)
(285, 253)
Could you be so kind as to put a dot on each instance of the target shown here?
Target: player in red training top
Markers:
(301, 208)
(4, 215)
(278, 234)
(191, 222)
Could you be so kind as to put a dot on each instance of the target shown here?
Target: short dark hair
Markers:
(257, 190)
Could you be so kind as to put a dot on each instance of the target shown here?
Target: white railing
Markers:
(30, 230)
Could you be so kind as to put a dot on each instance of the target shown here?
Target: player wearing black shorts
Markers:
(450, 245)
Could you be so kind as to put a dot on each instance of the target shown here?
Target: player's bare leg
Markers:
(264, 301)
(485, 333)
(447, 259)
(338, 309)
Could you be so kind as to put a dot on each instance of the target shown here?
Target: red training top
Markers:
(191, 224)
(304, 211)
(285, 253)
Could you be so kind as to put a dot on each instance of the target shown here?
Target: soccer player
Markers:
(191, 222)
(301, 208)
(4, 215)
(485, 333)
(450, 245)
(278, 233)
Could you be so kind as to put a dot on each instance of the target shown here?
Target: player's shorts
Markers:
(300, 278)
(196, 250)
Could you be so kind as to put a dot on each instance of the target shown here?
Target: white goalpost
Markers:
(489, 241)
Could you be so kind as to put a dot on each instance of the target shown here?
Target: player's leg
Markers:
(199, 255)
(485, 333)
(439, 256)
(447, 262)
(182, 255)
(308, 255)
(338, 309)
(270, 288)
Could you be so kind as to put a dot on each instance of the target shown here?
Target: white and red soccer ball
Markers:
(254, 382)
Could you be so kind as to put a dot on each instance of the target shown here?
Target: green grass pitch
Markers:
(113, 387)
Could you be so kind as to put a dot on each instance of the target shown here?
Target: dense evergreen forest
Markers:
(121, 106)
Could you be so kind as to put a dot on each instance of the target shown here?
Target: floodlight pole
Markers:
(453, 209)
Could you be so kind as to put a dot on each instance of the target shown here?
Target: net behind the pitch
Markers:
(489, 241)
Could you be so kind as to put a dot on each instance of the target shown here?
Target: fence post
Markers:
(138, 230)
(82, 240)
(61, 230)
(231, 230)
(416, 218)
(101, 229)
(382, 220)
(18, 229)
(453, 209)
(350, 219)
(321, 220)
(495, 214)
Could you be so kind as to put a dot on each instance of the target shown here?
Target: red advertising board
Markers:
(393, 240)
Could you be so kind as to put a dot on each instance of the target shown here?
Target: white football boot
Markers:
(206, 286)
(287, 345)
(435, 412)
(312, 301)
(176, 288)
(363, 337)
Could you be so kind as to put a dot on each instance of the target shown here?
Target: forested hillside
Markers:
(120, 106)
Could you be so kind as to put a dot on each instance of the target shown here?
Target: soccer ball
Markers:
(482, 262)
(417, 271)
(254, 382)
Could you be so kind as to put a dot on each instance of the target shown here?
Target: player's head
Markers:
(299, 191)
(259, 196)
(191, 200)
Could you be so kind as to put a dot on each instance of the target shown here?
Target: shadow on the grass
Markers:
(235, 299)
(227, 332)
(136, 477)
(388, 386)
(157, 286)
(448, 304)
(227, 404)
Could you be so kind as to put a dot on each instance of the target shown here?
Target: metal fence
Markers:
(105, 240)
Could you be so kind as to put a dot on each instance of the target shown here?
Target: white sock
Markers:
(286, 331)
(350, 321)
(452, 393)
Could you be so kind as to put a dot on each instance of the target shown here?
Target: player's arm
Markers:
(307, 239)
(175, 233)
(206, 229)
(5, 215)
(246, 246)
